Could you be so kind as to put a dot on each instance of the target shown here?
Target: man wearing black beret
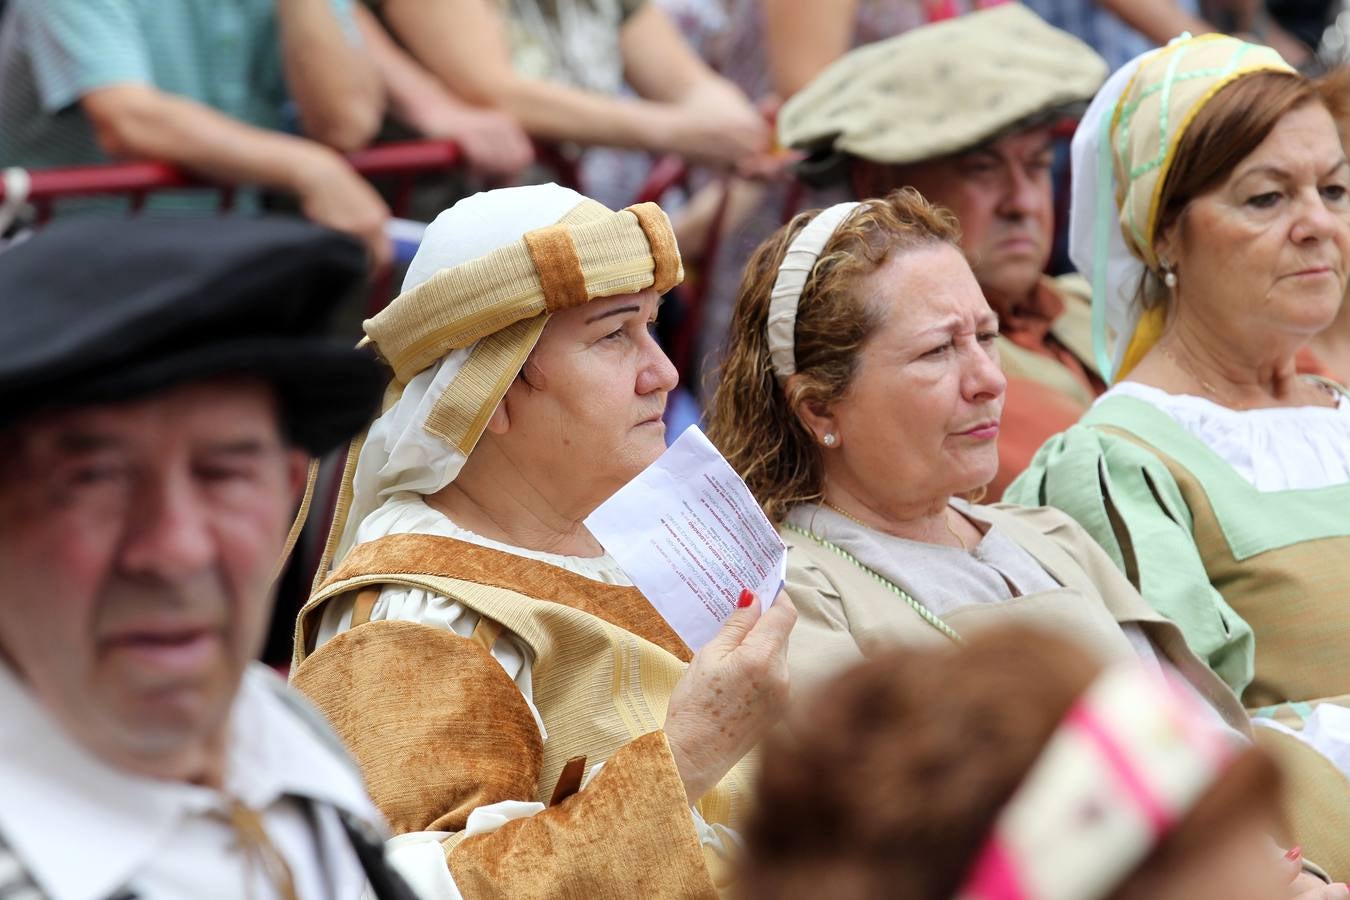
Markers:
(162, 387)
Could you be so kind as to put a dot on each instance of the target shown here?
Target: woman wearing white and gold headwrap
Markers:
(1211, 206)
(469, 639)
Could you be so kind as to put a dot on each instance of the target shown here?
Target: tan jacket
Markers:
(844, 613)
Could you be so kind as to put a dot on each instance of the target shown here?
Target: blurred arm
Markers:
(801, 39)
(1157, 20)
(493, 143)
(465, 46)
(331, 77)
(140, 122)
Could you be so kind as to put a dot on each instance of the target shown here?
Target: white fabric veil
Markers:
(1096, 244)
(399, 453)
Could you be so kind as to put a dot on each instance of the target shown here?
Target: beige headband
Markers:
(800, 259)
(457, 341)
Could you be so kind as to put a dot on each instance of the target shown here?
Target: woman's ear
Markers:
(500, 420)
(1167, 245)
(818, 417)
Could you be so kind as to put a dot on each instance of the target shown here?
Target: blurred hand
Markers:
(733, 692)
(718, 127)
(773, 166)
(331, 193)
(494, 144)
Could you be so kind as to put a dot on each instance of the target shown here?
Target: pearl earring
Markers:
(1170, 277)
(829, 440)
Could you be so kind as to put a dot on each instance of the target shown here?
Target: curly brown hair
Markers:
(887, 781)
(754, 419)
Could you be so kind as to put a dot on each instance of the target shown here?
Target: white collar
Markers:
(83, 829)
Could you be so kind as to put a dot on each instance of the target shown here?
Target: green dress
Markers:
(1256, 580)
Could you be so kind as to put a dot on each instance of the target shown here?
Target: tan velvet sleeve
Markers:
(1316, 797)
(440, 729)
(437, 725)
(628, 833)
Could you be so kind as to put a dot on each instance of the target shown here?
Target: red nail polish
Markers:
(1294, 854)
(746, 598)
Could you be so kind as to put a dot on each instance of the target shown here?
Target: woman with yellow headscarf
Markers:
(1211, 207)
(526, 721)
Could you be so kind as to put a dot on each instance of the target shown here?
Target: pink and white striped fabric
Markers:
(1134, 753)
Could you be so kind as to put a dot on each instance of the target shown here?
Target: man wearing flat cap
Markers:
(964, 111)
(162, 386)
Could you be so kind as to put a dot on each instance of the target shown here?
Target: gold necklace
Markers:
(1213, 391)
(1217, 395)
(946, 520)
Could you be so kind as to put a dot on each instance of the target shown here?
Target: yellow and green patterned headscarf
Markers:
(1125, 146)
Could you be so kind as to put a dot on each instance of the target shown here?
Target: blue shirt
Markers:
(225, 54)
(1103, 31)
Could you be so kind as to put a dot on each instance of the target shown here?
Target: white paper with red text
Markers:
(690, 535)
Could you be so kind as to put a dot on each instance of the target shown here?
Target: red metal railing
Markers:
(136, 180)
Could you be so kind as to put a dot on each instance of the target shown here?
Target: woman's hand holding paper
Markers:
(734, 690)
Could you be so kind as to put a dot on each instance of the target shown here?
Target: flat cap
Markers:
(940, 89)
(98, 310)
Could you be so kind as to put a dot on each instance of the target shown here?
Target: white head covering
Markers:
(1122, 153)
(1096, 245)
(399, 453)
(489, 272)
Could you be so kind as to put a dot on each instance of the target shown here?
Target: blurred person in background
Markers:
(1122, 29)
(770, 49)
(494, 144)
(1014, 765)
(202, 85)
(965, 112)
(163, 386)
(559, 66)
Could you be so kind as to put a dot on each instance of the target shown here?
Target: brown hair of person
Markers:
(753, 419)
(886, 782)
(1226, 131)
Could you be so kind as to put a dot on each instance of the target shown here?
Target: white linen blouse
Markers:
(1276, 449)
(83, 828)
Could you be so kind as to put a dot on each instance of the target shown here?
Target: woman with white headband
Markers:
(526, 721)
(860, 402)
(1211, 206)
(1041, 776)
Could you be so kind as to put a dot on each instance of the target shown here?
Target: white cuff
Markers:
(1326, 730)
(420, 859)
(723, 840)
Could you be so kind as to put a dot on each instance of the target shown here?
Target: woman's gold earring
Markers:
(829, 440)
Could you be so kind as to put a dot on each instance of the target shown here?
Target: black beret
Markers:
(97, 310)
